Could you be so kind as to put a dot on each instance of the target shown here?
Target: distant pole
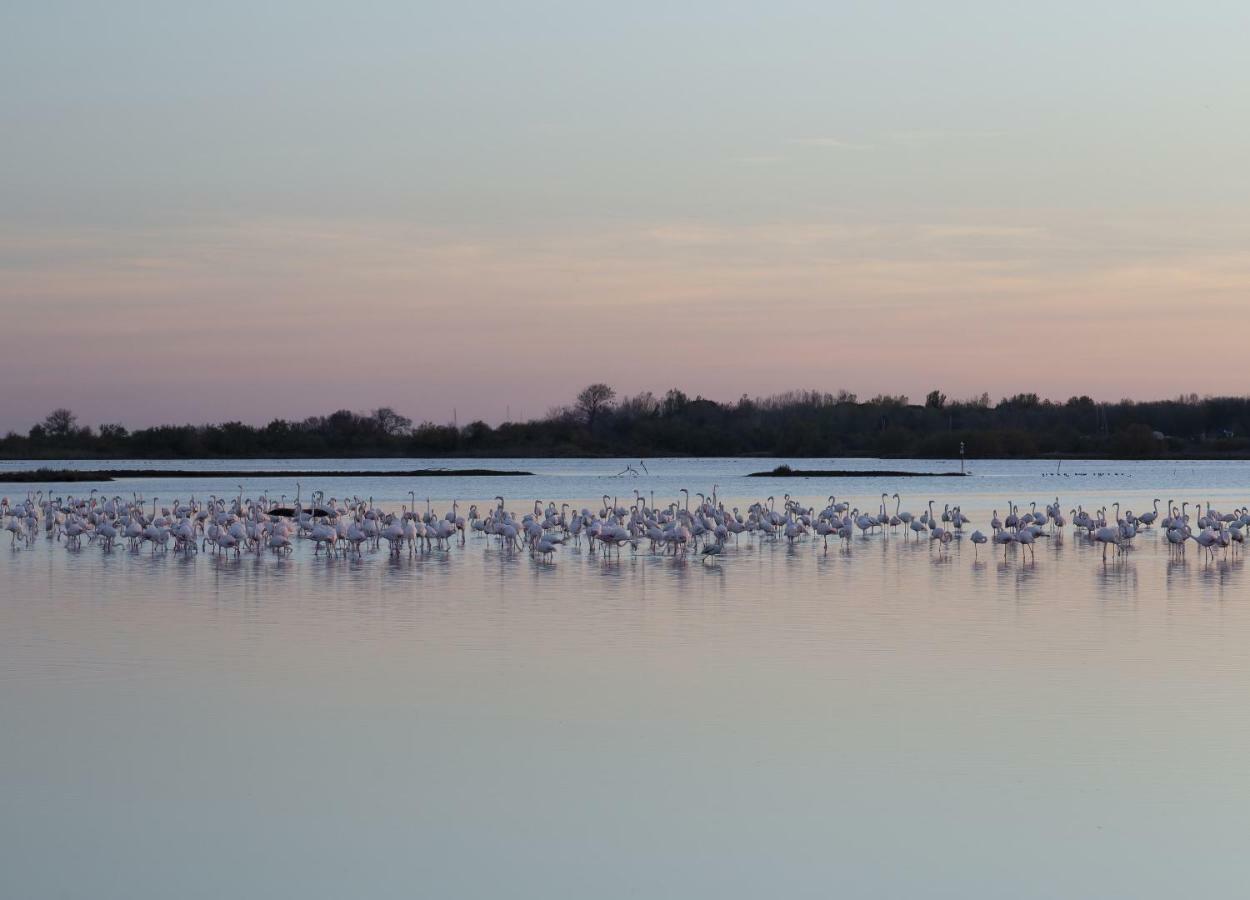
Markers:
(961, 458)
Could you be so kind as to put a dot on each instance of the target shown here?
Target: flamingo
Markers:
(1108, 536)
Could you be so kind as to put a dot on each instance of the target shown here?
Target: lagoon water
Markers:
(881, 721)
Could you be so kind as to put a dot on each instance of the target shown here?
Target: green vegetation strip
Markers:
(63, 475)
(787, 472)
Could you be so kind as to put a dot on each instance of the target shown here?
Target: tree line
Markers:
(598, 422)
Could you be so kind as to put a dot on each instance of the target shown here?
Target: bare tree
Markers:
(60, 422)
(593, 400)
(391, 422)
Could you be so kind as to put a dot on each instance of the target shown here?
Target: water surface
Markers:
(881, 721)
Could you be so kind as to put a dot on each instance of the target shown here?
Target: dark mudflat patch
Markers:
(787, 472)
(63, 475)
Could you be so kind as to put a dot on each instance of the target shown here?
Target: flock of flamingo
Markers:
(352, 526)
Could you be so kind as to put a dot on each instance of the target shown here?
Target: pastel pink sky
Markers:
(253, 211)
(295, 317)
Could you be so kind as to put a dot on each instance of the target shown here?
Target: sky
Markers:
(252, 210)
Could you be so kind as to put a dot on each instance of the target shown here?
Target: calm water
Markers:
(878, 722)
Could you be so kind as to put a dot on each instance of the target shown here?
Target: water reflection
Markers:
(881, 717)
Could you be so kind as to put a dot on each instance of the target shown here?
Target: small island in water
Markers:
(68, 475)
(784, 471)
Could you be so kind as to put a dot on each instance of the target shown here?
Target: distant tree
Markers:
(279, 428)
(935, 400)
(593, 400)
(675, 401)
(562, 414)
(477, 430)
(391, 422)
(60, 422)
(643, 404)
(1136, 440)
(1022, 401)
(439, 438)
(793, 423)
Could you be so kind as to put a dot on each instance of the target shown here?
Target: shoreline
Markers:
(1051, 457)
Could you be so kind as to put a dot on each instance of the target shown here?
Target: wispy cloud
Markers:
(958, 232)
(832, 143)
(940, 135)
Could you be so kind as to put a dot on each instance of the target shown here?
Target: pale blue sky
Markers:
(452, 188)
